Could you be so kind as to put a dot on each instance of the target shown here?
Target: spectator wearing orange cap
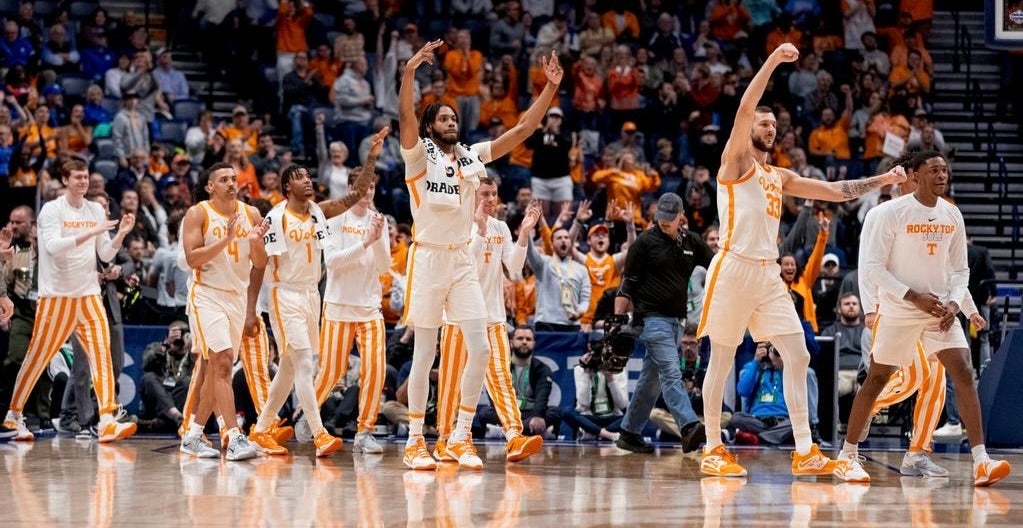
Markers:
(630, 140)
(242, 129)
(605, 269)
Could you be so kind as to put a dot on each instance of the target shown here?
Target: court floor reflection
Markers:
(146, 482)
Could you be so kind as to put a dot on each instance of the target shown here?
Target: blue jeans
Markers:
(297, 114)
(660, 375)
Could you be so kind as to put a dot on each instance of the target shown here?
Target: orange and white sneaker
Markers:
(848, 467)
(440, 451)
(990, 471)
(812, 463)
(464, 452)
(718, 462)
(281, 433)
(417, 456)
(113, 431)
(326, 443)
(266, 442)
(521, 447)
(16, 423)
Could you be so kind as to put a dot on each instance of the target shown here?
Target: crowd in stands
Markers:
(649, 99)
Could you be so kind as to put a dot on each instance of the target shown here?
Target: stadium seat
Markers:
(8, 7)
(82, 10)
(173, 131)
(107, 167)
(104, 148)
(74, 85)
(187, 110)
(44, 9)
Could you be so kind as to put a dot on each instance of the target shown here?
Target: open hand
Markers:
(377, 143)
(552, 68)
(425, 54)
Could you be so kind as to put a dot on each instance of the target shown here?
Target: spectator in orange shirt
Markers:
(783, 32)
(627, 182)
(500, 106)
(270, 182)
(588, 96)
(623, 87)
(38, 131)
(882, 123)
(292, 18)
(622, 22)
(325, 67)
(831, 138)
(727, 19)
(900, 52)
(248, 183)
(438, 93)
(912, 75)
(464, 67)
(241, 129)
(921, 12)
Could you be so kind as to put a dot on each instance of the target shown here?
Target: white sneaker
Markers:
(16, 422)
(848, 468)
(194, 446)
(365, 443)
(303, 433)
(921, 465)
(239, 448)
(949, 430)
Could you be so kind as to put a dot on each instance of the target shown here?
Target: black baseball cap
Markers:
(669, 205)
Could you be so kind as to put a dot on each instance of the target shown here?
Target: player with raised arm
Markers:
(442, 176)
(745, 289)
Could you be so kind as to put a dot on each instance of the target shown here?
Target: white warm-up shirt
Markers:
(353, 272)
(906, 245)
(491, 252)
(66, 269)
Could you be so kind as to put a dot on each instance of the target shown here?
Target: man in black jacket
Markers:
(656, 280)
(979, 260)
(532, 381)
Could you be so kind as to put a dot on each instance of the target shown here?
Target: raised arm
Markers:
(408, 126)
(582, 215)
(196, 253)
(736, 151)
(366, 177)
(837, 191)
(531, 118)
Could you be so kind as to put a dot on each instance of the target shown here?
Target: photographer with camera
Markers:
(656, 280)
(766, 417)
(601, 396)
(167, 371)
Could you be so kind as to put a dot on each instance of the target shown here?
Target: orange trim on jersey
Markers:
(408, 283)
(417, 177)
(282, 339)
(746, 176)
(731, 217)
(710, 295)
(414, 193)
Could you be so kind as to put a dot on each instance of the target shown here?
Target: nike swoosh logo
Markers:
(812, 463)
(932, 219)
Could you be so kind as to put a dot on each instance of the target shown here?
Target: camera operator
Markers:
(656, 280)
(760, 384)
(600, 396)
(167, 370)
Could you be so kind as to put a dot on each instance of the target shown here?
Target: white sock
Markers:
(415, 428)
(512, 433)
(722, 358)
(195, 429)
(792, 348)
(462, 427)
(850, 449)
(13, 416)
(232, 432)
(979, 454)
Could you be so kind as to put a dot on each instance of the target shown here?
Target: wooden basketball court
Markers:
(146, 482)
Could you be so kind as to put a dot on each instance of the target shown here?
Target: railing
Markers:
(964, 45)
(978, 116)
(1013, 269)
(1002, 183)
(957, 63)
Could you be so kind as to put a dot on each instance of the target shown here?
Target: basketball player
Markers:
(222, 239)
(493, 250)
(297, 235)
(745, 288)
(73, 232)
(356, 257)
(913, 248)
(925, 374)
(442, 176)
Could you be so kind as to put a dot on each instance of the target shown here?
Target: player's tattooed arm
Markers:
(856, 188)
(365, 177)
(837, 191)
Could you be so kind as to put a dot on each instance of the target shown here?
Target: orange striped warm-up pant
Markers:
(255, 356)
(336, 339)
(926, 375)
(453, 357)
(56, 318)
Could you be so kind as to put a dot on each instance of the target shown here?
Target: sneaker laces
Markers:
(854, 459)
(728, 456)
(420, 448)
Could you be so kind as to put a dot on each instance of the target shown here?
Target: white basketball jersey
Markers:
(750, 210)
(229, 270)
(299, 266)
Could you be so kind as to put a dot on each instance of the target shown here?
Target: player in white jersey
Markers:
(442, 176)
(356, 257)
(294, 243)
(73, 232)
(494, 251)
(913, 248)
(745, 289)
(222, 238)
